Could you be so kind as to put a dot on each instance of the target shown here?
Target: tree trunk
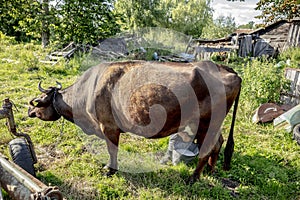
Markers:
(45, 23)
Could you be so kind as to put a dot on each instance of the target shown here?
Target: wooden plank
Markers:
(59, 53)
(293, 37)
(213, 41)
(212, 49)
(293, 96)
(48, 62)
(68, 46)
(292, 75)
(50, 57)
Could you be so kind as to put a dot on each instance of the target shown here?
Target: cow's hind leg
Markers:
(112, 140)
(212, 161)
(199, 169)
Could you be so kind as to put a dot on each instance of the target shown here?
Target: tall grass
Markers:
(263, 82)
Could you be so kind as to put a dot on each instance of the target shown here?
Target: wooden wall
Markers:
(277, 35)
(294, 35)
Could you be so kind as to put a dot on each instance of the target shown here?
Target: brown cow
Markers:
(151, 99)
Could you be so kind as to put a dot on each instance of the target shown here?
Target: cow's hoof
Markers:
(111, 172)
(191, 180)
(226, 167)
(165, 160)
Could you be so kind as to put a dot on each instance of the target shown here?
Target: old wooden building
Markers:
(268, 41)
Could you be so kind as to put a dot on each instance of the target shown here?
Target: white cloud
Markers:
(243, 12)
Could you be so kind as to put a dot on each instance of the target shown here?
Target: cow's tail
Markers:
(230, 142)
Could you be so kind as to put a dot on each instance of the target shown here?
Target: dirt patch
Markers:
(230, 185)
(47, 155)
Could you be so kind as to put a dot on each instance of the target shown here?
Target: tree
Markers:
(187, 16)
(84, 21)
(12, 13)
(220, 27)
(134, 14)
(81, 21)
(249, 25)
(29, 17)
(274, 10)
(45, 30)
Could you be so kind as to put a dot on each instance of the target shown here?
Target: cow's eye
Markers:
(35, 103)
(39, 104)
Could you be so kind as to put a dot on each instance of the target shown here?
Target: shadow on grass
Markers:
(170, 183)
(251, 177)
(68, 189)
(268, 178)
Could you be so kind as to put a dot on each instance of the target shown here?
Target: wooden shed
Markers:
(274, 38)
(268, 41)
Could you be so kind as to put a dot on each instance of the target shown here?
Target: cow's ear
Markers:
(35, 101)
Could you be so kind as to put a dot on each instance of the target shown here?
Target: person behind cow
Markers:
(181, 147)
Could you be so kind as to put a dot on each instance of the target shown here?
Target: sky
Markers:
(243, 12)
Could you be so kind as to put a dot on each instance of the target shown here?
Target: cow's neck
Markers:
(63, 103)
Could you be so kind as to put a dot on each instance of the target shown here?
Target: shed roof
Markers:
(273, 25)
(259, 31)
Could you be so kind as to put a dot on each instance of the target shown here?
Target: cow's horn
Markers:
(42, 89)
(59, 86)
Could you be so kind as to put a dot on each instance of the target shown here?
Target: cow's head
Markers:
(43, 107)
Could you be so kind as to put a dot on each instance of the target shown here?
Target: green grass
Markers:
(265, 164)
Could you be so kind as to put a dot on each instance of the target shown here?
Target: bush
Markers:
(6, 40)
(292, 54)
(263, 81)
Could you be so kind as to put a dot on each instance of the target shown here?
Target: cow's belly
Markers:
(153, 103)
(151, 111)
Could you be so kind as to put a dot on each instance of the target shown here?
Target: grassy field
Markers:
(265, 164)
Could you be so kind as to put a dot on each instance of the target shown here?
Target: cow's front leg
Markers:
(112, 140)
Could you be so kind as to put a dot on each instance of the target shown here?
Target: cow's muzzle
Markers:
(31, 113)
